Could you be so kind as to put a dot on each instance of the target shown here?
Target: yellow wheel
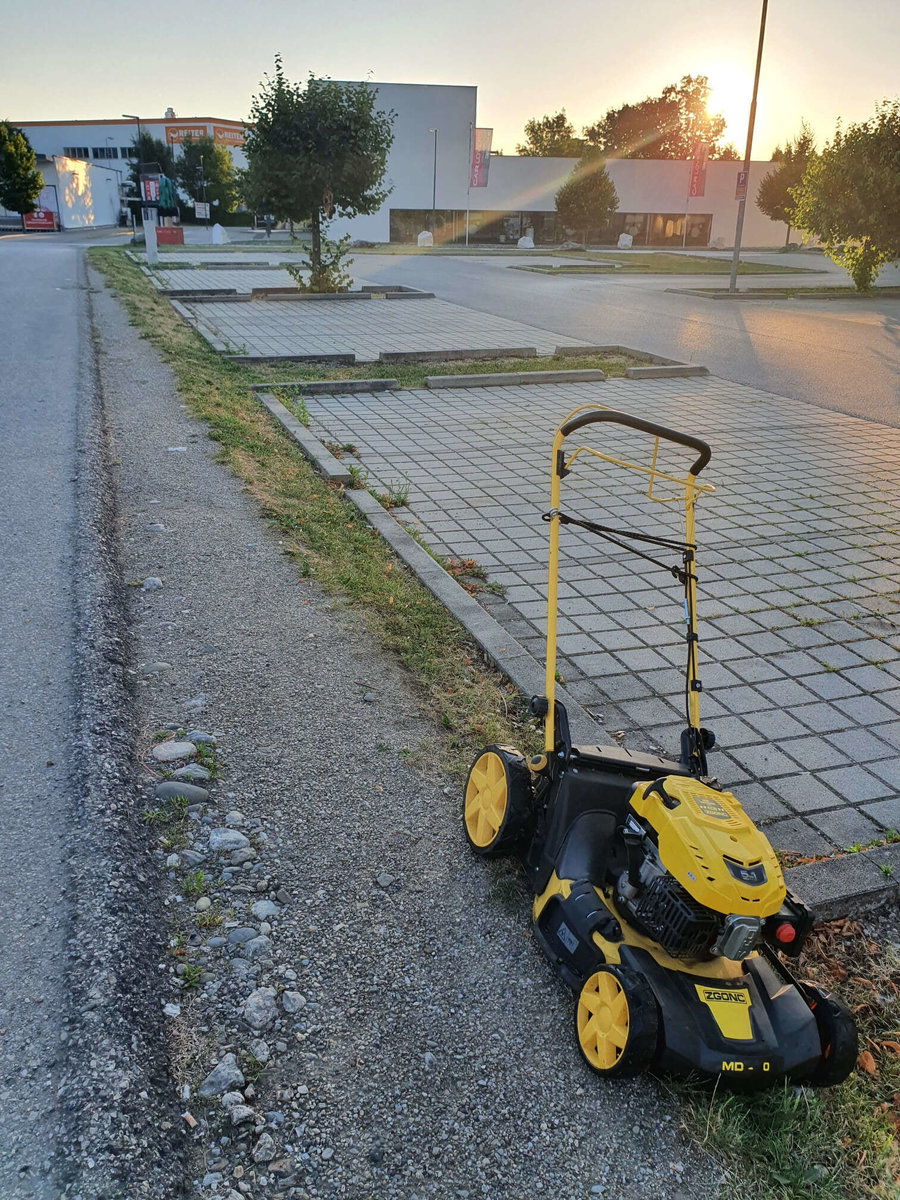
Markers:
(498, 810)
(616, 1022)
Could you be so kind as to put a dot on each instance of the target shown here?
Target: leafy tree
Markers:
(20, 181)
(203, 161)
(850, 195)
(588, 198)
(665, 126)
(774, 194)
(551, 137)
(148, 149)
(315, 150)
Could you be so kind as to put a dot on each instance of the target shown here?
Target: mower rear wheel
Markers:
(837, 1033)
(499, 802)
(617, 1022)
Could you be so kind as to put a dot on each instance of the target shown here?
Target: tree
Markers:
(588, 198)
(774, 194)
(551, 137)
(203, 162)
(20, 181)
(665, 126)
(147, 149)
(850, 195)
(316, 150)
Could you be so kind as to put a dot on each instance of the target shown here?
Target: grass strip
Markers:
(328, 540)
(794, 1143)
(887, 292)
(654, 263)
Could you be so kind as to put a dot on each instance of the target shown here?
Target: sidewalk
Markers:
(798, 566)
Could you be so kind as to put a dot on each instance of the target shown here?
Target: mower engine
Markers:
(701, 880)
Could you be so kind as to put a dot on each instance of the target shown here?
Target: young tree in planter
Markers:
(316, 150)
(850, 195)
(774, 195)
(202, 161)
(20, 181)
(588, 198)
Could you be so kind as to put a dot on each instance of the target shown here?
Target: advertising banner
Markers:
(150, 188)
(698, 169)
(228, 135)
(481, 157)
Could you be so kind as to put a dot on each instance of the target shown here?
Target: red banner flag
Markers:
(698, 169)
(481, 157)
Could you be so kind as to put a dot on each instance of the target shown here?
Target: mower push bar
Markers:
(660, 431)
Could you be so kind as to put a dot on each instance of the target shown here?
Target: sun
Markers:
(730, 86)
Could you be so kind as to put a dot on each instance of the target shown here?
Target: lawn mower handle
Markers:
(620, 418)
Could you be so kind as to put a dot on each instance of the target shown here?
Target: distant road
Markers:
(839, 354)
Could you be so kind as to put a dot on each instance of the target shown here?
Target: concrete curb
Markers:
(504, 651)
(193, 296)
(411, 356)
(783, 294)
(330, 387)
(312, 448)
(512, 378)
(854, 882)
(674, 372)
(339, 360)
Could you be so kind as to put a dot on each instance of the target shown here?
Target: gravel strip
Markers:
(393, 1031)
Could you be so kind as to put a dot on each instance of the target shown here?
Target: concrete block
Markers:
(399, 356)
(312, 448)
(330, 387)
(658, 372)
(341, 360)
(514, 378)
(840, 886)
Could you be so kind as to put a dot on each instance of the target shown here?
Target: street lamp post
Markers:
(434, 184)
(137, 159)
(203, 185)
(742, 203)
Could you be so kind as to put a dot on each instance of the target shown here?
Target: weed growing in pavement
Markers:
(206, 757)
(211, 919)
(297, 405)
(359, 478)
(396, 496)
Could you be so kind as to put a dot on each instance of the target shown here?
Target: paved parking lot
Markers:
(798, 565)
(361, 327)
(201, 279)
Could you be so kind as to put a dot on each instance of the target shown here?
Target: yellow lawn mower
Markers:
(656, 897)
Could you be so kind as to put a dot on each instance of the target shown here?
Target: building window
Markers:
(105, 152)
(127, 152)
(76, 152)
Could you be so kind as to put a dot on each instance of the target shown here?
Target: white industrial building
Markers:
(75, 195)
(429, 169)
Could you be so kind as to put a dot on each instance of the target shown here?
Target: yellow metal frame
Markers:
(691, 491)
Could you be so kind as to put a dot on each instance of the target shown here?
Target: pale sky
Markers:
(823, 59)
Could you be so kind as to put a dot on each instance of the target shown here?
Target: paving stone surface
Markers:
(798, 566)
(360, 327)
(200, 280)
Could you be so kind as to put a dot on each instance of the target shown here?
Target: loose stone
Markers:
(227, 839)
(384, 880)
(292, 1002)
(327, 1153)
(230, 1099)
(264, 1150)
(170, 751)
(223, 1077)
(188, 791)
(155, 668)
(259, 1008)
(174, 860)
(241, 1113)
(192, 771)
(239, 857)
(203, 904)
(260, 1050)
(151, 584)
(202, 738)
(263, 910)
(244, 934)
(259, 947)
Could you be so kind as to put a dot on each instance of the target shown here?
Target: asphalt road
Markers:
(45, 341)
(839, 354)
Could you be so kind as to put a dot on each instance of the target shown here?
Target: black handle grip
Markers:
(620, 418)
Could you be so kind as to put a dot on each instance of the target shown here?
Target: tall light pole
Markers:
(203, 184)
(434, 183)
(742, 203)
(133, 117)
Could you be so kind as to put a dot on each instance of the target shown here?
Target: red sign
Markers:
(740, 191)
(481, 157)
(41, 218)
(150, 188)
(698, 170)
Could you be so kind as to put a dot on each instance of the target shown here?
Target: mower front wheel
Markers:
(499, 802)
(837, 1033)
(617, 1022)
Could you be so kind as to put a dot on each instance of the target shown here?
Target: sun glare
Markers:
(730, 88)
